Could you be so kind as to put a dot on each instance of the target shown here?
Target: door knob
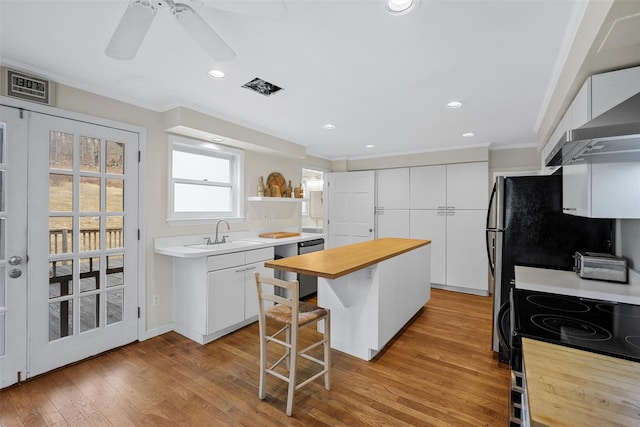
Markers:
(15, 260)
(370, 230)
(15, 273)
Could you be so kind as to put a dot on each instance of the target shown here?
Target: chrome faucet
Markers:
(224, 238)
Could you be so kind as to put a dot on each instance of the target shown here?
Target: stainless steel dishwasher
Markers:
(309, 284)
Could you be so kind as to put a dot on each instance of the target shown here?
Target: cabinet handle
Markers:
(246, 269)
(442, 207)
(569, 209)
(451, 207)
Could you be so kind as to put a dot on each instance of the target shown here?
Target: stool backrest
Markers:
(266, 288)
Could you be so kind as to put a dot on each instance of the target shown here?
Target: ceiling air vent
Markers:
(262, 87)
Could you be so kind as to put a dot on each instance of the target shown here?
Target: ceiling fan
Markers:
(139, 15)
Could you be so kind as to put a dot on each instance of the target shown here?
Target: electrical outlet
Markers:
(156, 300)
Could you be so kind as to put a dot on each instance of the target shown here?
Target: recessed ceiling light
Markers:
(400, 7)
(215, 139)
(217, 74)
(329, 126)
(468, 134)
(454, 104)
(369, 146)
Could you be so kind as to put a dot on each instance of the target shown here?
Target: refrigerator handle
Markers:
(490, 249)
(492, 199)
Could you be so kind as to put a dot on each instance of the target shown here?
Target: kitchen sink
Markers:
(238, 244)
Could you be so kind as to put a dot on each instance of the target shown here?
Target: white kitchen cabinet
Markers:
(216, 295)
(428, 187)
(393, 223)
(601, 190)
(430, 224)
(598, 94)
(392, 188)
(468, 185)
(442, 198)
(610, 89)
(466, 250)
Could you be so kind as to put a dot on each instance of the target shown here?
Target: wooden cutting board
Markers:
(278, 234)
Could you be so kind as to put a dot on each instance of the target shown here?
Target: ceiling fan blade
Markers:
(202, 32)
(271, 9)
(132, 29)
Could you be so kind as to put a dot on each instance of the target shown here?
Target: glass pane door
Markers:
(86, 241)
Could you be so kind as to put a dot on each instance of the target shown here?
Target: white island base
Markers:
(369, 306)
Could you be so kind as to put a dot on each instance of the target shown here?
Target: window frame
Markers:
(236, 174)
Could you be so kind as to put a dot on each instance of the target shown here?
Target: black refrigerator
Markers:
(526, 226)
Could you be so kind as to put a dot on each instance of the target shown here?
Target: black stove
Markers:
(604, 327)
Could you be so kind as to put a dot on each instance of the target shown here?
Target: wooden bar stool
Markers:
(293, 315)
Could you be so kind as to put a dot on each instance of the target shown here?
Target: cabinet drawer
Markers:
(218, 262)
(258, 255)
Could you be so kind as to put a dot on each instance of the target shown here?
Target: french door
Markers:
(13, 246)
(81, 185)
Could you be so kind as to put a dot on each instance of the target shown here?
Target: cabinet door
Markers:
(431, 225)
(393, 223)
(615, 190)
(250, 290)
(581, 106)
(466, 250)
(610, 89)
(225, 298)
(468, 185)
(392, 188)
(576, 189)
(428, 186)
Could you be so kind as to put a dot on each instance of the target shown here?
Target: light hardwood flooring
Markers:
(438, 371)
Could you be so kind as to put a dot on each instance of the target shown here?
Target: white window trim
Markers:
(237, 173)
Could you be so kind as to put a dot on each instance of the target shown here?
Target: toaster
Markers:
(591, 265)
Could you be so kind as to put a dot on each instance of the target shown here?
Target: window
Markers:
(204, 181)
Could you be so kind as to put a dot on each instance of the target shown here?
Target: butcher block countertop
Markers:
(570, 387)
(338, 262)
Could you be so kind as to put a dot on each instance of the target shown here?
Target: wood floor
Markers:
(439, 371)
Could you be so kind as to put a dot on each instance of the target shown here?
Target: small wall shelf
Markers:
(275, 199)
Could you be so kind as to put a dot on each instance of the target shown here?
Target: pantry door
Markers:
(82, 240)
(13, 246)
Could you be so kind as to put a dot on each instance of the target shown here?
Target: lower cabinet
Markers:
(216, 295)
(458, 252)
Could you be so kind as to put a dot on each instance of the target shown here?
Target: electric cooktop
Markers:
(605, 327)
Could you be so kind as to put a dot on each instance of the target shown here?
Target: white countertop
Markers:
(179, 246)
(569, 283)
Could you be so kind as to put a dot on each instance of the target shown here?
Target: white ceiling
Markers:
(381, 79)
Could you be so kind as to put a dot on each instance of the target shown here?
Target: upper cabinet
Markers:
(598, 94)
(601, 190)
(468, 185)
(610, 89)
(392, 188)
(428, 187)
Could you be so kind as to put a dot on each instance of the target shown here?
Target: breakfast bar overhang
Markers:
(372, 289)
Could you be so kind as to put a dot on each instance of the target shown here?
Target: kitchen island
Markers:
(372, 289)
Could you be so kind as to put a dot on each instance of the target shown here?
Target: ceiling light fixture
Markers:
(454, 104)
(217, 74)
(369, 146)
(400, 7)
(468, 134)
(215, 139)
(329, 126)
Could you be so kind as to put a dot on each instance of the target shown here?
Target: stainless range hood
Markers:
(613, 136)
